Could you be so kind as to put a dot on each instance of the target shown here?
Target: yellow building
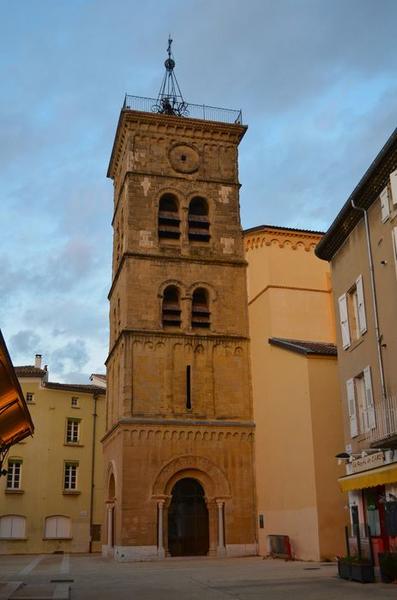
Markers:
(296, 395)
(52, 495)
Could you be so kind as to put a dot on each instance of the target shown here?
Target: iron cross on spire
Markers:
(170, 100)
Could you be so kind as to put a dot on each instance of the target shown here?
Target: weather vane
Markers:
(170, 100)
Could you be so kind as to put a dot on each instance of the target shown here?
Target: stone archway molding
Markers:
(216, 484)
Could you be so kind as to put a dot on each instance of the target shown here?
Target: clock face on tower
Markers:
(184, 159)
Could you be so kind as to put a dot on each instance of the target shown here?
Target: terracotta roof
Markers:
(282, 228)
(29, 371)
(99, 375)
(305, 347)
(75, 387)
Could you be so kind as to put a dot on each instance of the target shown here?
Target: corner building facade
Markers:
(179, 444)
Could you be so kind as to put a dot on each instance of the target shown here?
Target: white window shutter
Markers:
(351, 404)
(5, 527)
(384, 205)
(362, 320)
(369, 398)
(344, 321)
(63, 527)
(18, 527)
(393, 185)
(50, 527)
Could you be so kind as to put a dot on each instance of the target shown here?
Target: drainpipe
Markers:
(374, 299)
(94, 416)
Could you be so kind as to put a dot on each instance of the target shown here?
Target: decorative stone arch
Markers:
(213, 479)
(172, 192)
(176, 282)
(216, 489)
(213, 294)
(111, 471)
(110, 512)
(199, 194)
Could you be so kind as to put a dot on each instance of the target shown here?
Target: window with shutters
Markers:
(58, 528)
(361, 409)
(168, 218)
(14, 473)
(12, 527)
(384, 204)
(393, 188)
(70, 476)
(171, 310)
(73, 431)
(352, 315)
(198, 221)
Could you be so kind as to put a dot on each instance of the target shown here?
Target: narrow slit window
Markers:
(199, 224)
(200, 309)
(188, 388)
(171, 310)
(168, 218)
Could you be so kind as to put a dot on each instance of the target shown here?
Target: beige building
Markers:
(361, 245)
(52, 497)
(297, 406)
(179, 443)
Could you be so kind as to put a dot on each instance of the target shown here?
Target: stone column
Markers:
(160, 535)
(221, 550)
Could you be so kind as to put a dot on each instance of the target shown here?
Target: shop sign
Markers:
(368, 462)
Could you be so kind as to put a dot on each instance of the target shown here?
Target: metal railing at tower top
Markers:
(191, 111)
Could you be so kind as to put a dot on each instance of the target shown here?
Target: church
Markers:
(179, 442)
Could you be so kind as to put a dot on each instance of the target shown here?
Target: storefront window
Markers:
(371, 511)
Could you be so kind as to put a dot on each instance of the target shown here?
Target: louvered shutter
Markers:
(362, 320)
(384, 205)
(369, 398)
(393, 185)
(344, 321)
(351, 405)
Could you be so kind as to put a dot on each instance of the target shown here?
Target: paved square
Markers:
(92, 577)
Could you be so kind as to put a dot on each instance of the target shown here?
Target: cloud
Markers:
(72, 356)
(26, 343)
(315, 80)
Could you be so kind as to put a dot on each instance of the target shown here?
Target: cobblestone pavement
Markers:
(91, 577)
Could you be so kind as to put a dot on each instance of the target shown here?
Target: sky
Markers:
(316, 81)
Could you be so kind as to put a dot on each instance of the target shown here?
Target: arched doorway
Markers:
(188, 532)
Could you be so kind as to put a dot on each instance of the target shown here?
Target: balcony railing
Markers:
(191, 111)
(386, 421)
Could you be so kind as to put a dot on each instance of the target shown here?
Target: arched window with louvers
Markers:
(201, 316)
(198, 220)
(171, 307)
(168, 218)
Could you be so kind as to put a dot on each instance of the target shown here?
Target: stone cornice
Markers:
(283, 237)
(147, 335)
(164, 257)
(179, 127)
(167, 427)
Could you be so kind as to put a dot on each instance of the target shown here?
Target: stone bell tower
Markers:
(179, 446)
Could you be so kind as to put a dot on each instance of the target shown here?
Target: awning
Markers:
(372, 478)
